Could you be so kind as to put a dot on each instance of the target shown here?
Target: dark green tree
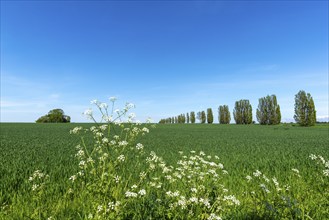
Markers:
(187, 118)
(54, 116)
(242, 112)
(305, 113)
(198, 116)
(210, 116)
(268, 111)
(203, 117)
(224, 116)
(192, 114)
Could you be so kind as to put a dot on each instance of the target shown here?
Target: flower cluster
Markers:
(38, 180)
(323, 162)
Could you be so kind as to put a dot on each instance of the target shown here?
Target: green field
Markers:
(242, 149)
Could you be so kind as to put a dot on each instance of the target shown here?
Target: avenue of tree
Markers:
(267, 113)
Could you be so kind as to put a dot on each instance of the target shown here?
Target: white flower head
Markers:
(94, 102)
(113, 99)
(139, 146)
(142, 192)
(88, 113)
(103, 105)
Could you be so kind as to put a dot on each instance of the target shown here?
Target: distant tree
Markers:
(203, 117)
(210, 116)
(224, 116)
(187, 118)
(242, 112)
(305, 114)
(172, 120)
(198, 116)
(162, 121)
(268, 111)
(176, 120)
(181, 118)
(54, 116)
(192, 114)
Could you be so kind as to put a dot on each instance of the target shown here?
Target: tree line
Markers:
(267, 113)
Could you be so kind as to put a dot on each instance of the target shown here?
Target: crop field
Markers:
(261, 172)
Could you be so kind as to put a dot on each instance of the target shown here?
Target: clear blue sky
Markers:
(166, 57)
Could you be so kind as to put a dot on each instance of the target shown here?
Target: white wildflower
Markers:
(313, 157)
(257, 173)
(139, 146)
(75, 130)
(103, 105)
(113, 99)
(142, 192)
(176, 194)
(82, 163)
(99, 208)
(295, 170)
(103, 127)
(323, 161)
(131, 194)
(88, 113)
(121, 158)
(105, 140)
(123, 143)
(249, 178)
(194, 200)
(213, 216)
(80, 154)
(117, 179)
(74, 177)
(146, 130)
(34, 187)
(142, 175)
(94, 102)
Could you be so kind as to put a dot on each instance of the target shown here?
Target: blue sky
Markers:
(166, 57)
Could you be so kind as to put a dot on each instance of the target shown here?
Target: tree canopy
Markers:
(305, 114)
(54, 116)
(268, 112)
(242, 112)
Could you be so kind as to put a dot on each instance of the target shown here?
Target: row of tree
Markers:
(267, 113)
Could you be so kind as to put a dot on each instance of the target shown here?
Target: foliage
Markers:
(224, 114)
(305, 113)
(210, 116)
(54, 116)
(187, 118)
(242, 112)
(203, 117)
(268, 112)
(192, 115)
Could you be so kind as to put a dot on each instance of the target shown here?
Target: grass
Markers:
(274, 150)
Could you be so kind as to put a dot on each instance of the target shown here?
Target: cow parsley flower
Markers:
(139, 146)
(213, 216)
(131, 194)
(257, 173)
(88, 113)
(142, 192)
(113, 99)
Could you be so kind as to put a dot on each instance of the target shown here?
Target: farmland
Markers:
(273, 150)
